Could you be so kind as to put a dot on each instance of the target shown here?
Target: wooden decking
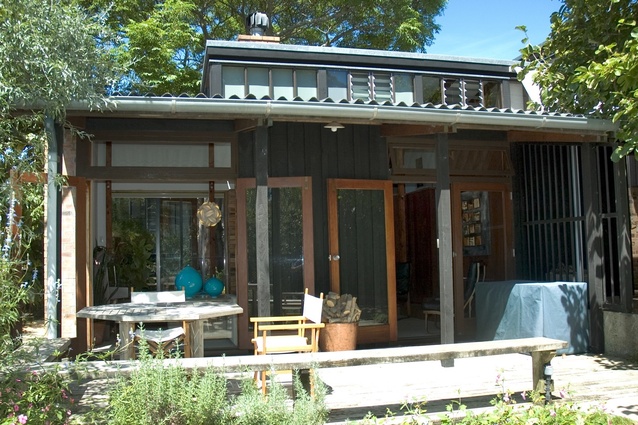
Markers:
(588, 379)
(357, 390)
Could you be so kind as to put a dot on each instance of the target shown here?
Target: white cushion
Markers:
(158, 297)
(285, 343)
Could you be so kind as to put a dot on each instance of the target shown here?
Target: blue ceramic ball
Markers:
(189, 280)
(214, 287)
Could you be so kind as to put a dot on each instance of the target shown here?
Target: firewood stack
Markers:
(340, 308)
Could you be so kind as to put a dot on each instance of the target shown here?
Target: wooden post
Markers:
(444, 220)
(261, 221)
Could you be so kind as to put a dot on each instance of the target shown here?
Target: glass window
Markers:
(360, 86)
(282, 83)
(306, 83)
(432, 90)
(234, 81)
(337, 85)
(285, 234)
(492, 94)
(403, 88)
(412, 156)
(171, 225)
(170, 228)
(258, 82)
(420, 159)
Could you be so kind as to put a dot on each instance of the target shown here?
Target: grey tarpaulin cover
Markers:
(520, 309)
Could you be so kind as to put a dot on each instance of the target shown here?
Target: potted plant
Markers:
(132, 254)
(341, 315)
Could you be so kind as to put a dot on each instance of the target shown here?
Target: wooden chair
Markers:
(163, 340)
(476, 273)
(289, 334)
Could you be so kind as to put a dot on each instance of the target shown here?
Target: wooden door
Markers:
(289, 257)
(362, 252)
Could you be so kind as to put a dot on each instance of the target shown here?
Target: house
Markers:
(333, 165)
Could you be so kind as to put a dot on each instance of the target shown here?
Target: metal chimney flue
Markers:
(257, 23)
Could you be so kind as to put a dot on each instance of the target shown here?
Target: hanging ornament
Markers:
(209, 214)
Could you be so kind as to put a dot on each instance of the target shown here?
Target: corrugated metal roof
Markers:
(314, 100)
(358, 111)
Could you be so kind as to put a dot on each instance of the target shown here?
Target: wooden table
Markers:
(194, 312)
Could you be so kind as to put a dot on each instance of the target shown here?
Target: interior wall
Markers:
(420, 220)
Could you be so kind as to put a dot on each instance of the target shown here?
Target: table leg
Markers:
(539, 360)
(196, 334)
(126, 342)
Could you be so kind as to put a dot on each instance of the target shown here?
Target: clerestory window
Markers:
(275, 83)
(339, 84)
(366, 86)
(466, 92)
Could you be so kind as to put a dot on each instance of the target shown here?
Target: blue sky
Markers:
(486, 28)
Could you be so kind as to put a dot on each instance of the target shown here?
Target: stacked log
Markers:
(340, 308)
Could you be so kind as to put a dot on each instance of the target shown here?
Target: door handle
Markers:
(333, 257)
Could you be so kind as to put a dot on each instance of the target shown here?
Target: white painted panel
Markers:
(170, 189)
(222, 155)
(134, 155)
(517, 98)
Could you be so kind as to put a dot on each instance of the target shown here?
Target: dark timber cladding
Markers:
(308, 149)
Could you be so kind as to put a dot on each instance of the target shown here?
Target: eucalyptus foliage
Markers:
(589, 64)
(49, 58)
(165, 40)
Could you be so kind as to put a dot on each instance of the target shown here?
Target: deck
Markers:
(355, 391)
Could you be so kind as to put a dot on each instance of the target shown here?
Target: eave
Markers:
(369, 113)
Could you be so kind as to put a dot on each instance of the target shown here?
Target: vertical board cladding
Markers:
(245, 155)
(297, 149)
(308, 149)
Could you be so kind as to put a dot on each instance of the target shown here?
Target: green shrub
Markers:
(37, 398)
(250, 407)
(158, 393)
(506, 411)
(538, 411)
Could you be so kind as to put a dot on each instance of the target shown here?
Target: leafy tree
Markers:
(165, 40)
(48, 59)
(589, 64)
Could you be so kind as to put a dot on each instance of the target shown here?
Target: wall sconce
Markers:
(333, 126)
